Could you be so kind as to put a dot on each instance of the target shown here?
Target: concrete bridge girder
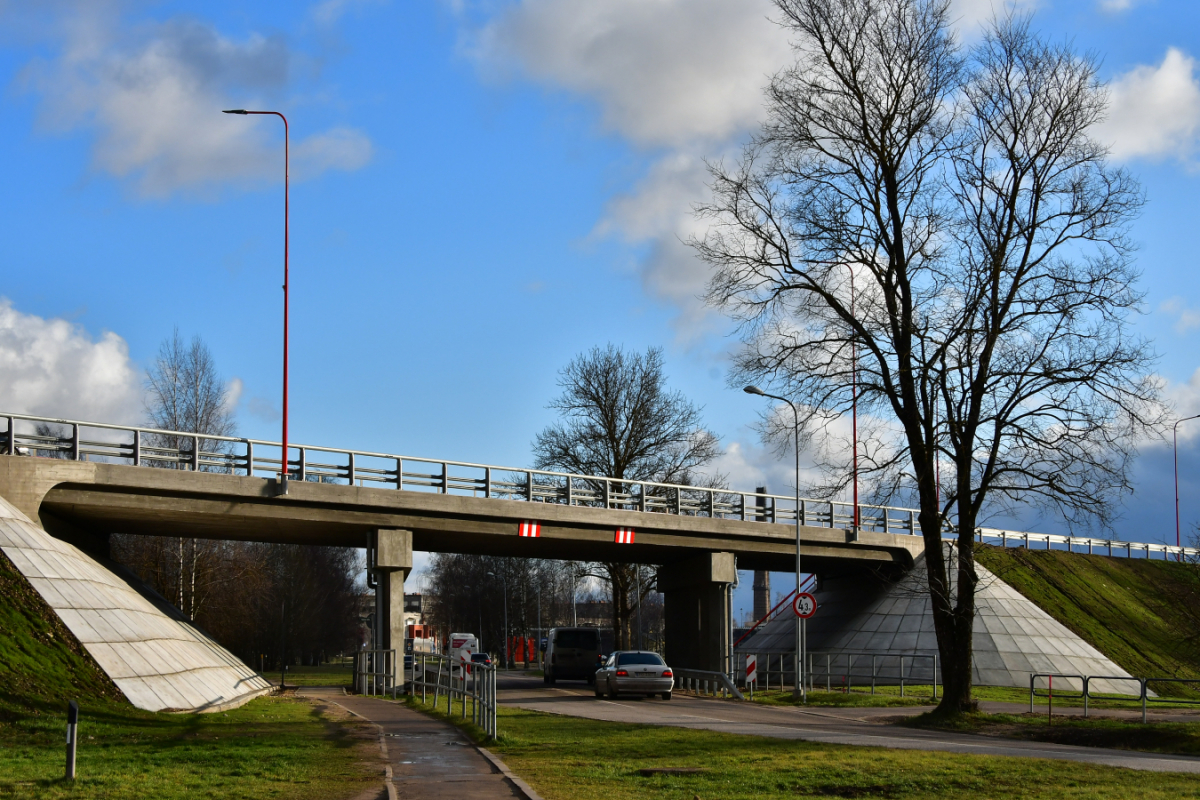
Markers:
(82, 502)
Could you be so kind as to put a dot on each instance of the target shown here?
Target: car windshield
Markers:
(581, 639)
(630, 659)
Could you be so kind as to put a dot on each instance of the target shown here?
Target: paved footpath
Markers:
(830, 725)
(425, 757)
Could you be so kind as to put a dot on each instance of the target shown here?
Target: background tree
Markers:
(619, 420)
(184, 392)
(986, 237)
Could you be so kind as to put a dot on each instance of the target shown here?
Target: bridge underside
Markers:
(84, 502)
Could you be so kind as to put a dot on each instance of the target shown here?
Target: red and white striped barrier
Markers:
(624, 536)
(529, 529)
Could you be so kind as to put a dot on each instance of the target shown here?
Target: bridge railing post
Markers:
(195, 454)
(249, 459)
(605, 494)
(10, 443)
(75, 442)
(301, 470)
(400, 474)
(137, 447)
(487, 484)
(350, 467)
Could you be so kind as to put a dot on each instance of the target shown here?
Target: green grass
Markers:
(335, 674)
(566, 758)
(269, 748)
(1159, 737)
(1142, 614)
(884, 697)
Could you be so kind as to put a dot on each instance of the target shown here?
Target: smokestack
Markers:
(762, 579)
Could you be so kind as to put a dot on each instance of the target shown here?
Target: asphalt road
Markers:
(857, 726)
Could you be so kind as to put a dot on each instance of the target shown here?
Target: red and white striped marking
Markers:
(529, 528)
(751, 669)
(624, 536)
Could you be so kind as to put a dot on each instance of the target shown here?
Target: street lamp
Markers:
(284, 467)
(508, 662)
(799, 688)
(1175, 453)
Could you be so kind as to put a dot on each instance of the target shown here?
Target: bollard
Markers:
(72, 737)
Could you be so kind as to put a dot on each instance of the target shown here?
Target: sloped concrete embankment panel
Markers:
(158, 661)
(1012, 637)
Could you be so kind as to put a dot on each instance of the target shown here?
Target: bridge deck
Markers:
(112, 498)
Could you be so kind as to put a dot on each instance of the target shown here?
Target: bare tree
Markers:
(986, 237)
(184, 392)
(620, 421)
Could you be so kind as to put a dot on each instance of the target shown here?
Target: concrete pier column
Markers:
(393, 562)
(696, 611)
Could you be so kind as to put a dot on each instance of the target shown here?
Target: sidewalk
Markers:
(426, 758)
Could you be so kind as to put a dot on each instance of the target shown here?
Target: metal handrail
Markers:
(202, 452)
(375, 672)
(1086, 693)
(475, 682)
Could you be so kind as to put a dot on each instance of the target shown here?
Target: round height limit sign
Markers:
(805, 605)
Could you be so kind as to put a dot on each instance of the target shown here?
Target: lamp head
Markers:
(754, 390)
(236, 111)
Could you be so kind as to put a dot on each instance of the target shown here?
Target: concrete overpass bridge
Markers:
(83, 481)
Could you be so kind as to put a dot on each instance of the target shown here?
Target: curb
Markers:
(524, 788)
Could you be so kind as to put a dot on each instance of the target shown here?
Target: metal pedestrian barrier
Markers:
(375, 672)
(1143, 695)
(465, 680)
(843, 671)
(701, 681)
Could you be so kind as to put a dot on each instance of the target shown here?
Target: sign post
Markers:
(805, 605)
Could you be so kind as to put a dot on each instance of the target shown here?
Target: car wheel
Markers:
(666, 695)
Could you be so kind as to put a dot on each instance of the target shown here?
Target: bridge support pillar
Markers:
(697, 611)
(392, 563)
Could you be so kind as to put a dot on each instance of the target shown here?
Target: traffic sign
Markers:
(805, 605)
(751, 669)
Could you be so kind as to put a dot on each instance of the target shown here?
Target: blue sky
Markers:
(480, 191)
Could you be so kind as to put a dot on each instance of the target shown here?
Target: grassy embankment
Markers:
(566, 758)
(271, 747)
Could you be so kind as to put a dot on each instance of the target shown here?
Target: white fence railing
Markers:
(77, 440)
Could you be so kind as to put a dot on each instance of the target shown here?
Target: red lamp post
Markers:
(284, 467)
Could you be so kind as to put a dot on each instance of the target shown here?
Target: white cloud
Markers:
(53, 368)
(154, 93)
(1155, 111)
(1116, 6)
(664, 72)
(1186, 319)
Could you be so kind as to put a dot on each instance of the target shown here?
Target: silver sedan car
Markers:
(634, 672)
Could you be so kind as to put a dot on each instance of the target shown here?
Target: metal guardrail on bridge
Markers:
(149, 447)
